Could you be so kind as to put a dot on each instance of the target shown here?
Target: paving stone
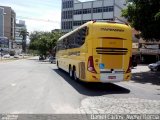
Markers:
(120, 106)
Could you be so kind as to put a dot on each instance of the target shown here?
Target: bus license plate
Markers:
(111, 77)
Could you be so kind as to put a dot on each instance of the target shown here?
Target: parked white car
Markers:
(154, 66)
(6, 56)
(52, 59)
(16, 56)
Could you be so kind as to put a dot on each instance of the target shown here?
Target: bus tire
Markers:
(57, 65)
(74, 75)
(70, 72)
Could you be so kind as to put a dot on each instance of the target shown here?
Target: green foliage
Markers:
(157, 16)
(43, 42)
(144, 16)
(24, 34)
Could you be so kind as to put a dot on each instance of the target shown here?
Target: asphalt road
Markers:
(30, 86)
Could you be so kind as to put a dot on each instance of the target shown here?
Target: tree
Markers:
(24, 35)
(144, 16)
(44, 42)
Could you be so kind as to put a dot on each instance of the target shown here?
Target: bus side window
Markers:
(57, 47)
(60, 45)
(65, 43)
(81, 37)
(77, 38)
(71, 41)
(83, 34)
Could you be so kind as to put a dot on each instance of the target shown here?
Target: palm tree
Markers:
(24, 35)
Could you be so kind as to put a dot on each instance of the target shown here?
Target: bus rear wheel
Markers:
(74, 75)
(57, 65)
(70, 72)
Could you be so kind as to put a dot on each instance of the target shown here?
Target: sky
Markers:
(39, 15)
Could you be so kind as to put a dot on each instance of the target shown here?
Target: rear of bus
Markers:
(109, 52)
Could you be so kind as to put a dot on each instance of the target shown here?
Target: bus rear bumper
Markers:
(105, 78)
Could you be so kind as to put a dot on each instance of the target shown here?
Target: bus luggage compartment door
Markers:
(111, 59)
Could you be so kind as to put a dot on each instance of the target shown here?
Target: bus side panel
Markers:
(82, 71)
(90, 77)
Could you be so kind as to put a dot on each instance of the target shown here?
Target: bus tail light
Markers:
(91, 65)
(129, 66)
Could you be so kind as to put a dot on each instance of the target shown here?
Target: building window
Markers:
(77, 23)
(67, 4)
(77, 12)
(97, 10)
(105, 9)
(67, 14)
(67, 25)
(86, 11)
(108, 9)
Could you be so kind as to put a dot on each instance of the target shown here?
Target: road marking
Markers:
(13, 84)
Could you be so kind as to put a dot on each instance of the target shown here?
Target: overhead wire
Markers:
(45, 4)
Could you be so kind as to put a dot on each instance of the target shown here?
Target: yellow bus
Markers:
(97, 51)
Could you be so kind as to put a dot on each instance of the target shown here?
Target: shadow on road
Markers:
(92, 89)
(147, 77)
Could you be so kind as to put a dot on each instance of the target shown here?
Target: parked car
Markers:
(20, 54)
(52, 59)
(16, 56)
(6, 56)
(41, 57)
(154, 66)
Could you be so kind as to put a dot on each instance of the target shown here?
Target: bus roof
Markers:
(67, 34)
(89, 22)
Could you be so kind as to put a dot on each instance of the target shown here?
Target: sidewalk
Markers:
(2, 60)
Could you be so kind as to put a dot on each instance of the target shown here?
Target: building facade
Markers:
(149, 51)
(20, 25)
(6, 25)
(9, 22)
(1, 22)
(75, 13)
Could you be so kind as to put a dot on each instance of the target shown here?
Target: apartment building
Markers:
(20, 25)
(75, 13)
(1, 22)
(9, 22)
